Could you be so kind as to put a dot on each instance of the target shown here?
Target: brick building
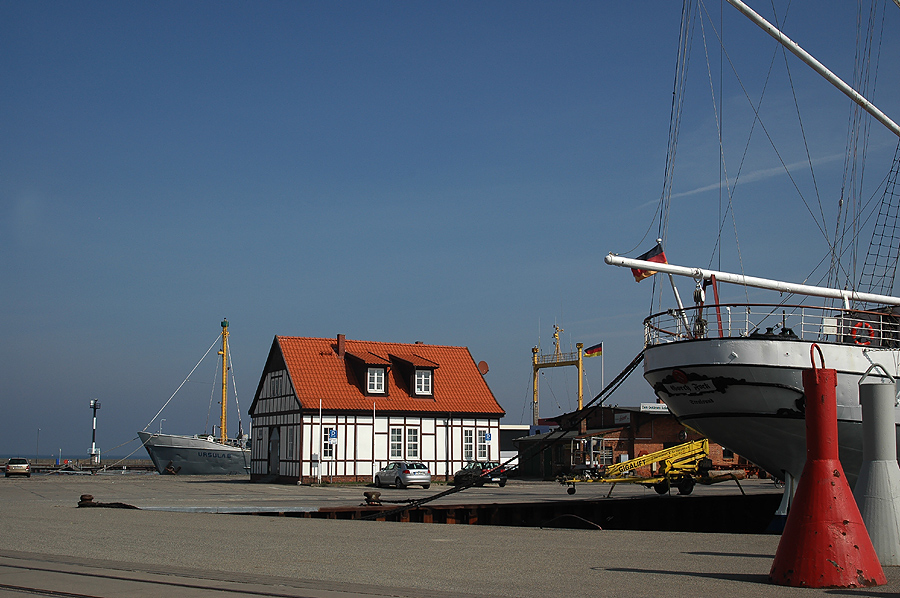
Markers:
(610, 435)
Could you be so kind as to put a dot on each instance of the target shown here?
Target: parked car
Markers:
(18, 466)
(475, 471)
(403, 473)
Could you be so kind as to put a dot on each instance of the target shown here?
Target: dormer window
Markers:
(423, 382)
(375, 380)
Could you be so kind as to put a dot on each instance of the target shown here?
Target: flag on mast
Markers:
(656, 255)
(595, 350)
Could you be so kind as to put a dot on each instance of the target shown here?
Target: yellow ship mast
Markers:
(223, 427)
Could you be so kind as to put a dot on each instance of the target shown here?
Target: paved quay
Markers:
(178, 544)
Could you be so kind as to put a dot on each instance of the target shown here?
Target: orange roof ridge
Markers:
(316, 375)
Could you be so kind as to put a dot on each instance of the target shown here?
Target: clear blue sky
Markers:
(446, 172)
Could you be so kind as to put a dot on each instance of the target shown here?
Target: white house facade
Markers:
(339, 410)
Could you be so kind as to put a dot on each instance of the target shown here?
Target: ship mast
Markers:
(223, 428)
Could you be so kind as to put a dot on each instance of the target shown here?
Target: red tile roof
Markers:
(317, 372)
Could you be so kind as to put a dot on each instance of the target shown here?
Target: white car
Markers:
(403, 473)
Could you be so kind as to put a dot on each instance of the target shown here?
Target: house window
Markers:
(291, 433)
(396, 443)
(469, 445)
(423, 382)
(412, 443)
(327, 447)
(275, 385)
(376, 380)
(727, 454)
(482, 444)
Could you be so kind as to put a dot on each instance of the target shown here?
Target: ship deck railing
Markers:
(874, 329)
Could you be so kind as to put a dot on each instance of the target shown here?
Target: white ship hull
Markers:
(747, 394)
(190, 455)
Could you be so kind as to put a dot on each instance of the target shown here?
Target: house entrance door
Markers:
(274, 448)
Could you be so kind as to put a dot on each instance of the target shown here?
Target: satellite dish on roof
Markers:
(483, 367)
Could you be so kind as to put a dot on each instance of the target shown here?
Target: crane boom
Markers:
(688, 451)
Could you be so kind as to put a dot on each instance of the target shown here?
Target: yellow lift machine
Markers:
(680, 467)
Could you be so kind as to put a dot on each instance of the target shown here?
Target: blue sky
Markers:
(446, 172)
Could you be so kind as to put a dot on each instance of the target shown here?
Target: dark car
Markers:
(18, 466)
(477, 473)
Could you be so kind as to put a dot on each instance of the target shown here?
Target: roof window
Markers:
(423, 382)
(375, 380)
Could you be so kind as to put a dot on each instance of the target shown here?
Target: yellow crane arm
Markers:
(687, 451)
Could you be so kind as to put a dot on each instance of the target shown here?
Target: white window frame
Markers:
(423, 382)
(375, 380)
(469, 445)
(396, 443)
(412, 443)
(482, 445)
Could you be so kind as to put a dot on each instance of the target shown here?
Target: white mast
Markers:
(817, 66)
(752, 281)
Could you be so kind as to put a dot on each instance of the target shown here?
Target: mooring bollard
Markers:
(877, 489)
(825, 542)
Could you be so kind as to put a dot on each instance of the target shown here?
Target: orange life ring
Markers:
(859, 339)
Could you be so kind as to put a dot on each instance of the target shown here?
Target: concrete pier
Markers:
(177, 538)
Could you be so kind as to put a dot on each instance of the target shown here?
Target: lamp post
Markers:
(95, 454)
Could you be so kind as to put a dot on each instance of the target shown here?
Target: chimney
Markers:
(340, 345)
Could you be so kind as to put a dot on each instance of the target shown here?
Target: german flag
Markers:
(595, 350)
(654, 255)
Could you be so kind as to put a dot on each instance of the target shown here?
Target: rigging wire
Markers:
(880, 266)
(769, 137)
(685, 41)
(525, 402)
(237, 404)
(858, 125)
(182, 383)
(812, 171)
(212, 395)
(550, 388)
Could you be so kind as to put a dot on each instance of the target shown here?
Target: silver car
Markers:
(403, 473)
(18, 466)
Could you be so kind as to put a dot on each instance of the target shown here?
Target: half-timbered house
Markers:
(339, 409)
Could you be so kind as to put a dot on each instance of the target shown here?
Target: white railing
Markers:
(878, 329)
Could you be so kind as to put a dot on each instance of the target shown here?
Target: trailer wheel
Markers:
(661, 487)
(686, 486)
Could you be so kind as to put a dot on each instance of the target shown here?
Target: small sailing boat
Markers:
(201, 454)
